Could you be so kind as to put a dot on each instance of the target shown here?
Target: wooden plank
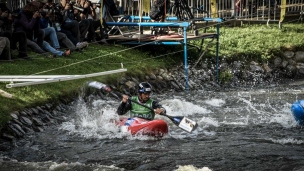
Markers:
(162, 38)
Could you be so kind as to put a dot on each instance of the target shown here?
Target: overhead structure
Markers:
(183, 19)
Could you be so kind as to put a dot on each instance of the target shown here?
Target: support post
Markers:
(186, 59)
(214, 12)
(283, 12)
(217, 50)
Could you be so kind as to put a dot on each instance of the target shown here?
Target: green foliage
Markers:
(225, 76)
(258, 42)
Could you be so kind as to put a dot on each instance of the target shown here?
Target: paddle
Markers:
(182, 122)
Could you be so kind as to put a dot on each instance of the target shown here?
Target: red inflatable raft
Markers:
(139, 126)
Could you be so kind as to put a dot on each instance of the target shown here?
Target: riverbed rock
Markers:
(17, 122)
(37, 128)
(266, 68)
(35, 111)
(22, 113)
(291, 71)
(130, 84)
(277, 62)
(166, 77)
(14, 115)
(39, 109)
(7, 136)
(288, 54)
(37, 121)
(300, 68)
(25, 121)
(16, 129)
(299, 56)
(284, 64)
(152, 76)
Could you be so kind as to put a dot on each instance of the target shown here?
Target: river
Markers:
(239, 129)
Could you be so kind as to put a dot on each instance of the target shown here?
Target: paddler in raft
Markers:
(143, 97)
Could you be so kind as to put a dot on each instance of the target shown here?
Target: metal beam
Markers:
(163, 24)
(59, 78)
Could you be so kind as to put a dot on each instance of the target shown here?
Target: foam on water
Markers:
(97, 119)
(182, 107)
(287, 141)
(215, 102)
(54, 166)
(192, 168)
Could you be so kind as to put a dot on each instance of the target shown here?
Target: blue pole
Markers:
(217, 51)
(145, 24)
(176, 19)
(186, 58)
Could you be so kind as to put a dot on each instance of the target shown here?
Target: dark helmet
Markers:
(144, 87)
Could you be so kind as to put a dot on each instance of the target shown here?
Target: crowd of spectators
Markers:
(49, 29)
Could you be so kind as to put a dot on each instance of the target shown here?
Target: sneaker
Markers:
(81, 45)
(85, 44)
(104, 41)
(78, 45)
(66, 53)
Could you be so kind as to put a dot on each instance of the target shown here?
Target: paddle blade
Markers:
(99, 85)
(184, 123)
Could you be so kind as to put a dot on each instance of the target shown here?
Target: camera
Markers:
(97, 4)
(54, 11)
(78, 8)
(16, 13)
(43, 13)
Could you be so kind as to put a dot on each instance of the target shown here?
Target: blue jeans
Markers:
(51, 33)
(47, 47)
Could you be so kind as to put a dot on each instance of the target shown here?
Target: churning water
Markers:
(239, 129)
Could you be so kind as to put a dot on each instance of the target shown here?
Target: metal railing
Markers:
(259, 10)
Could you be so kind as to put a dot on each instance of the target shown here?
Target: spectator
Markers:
(93, 16)
(238, 8)
(251, 7)
(5, 49)
(54, 36)
(83, 16)
(80, 16)
(70, 24)
(6, 20)
(29, 22)
(49, 32)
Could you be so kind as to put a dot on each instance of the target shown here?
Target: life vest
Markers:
(141, 111)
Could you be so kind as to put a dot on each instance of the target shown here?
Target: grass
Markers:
(257, 42)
